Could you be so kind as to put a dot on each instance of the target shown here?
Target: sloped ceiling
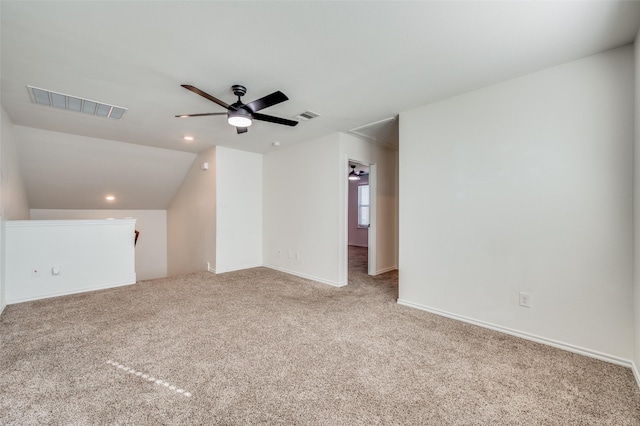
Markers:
(75, 172)
(354, 63)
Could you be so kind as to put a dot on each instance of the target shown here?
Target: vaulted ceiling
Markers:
(353, 63)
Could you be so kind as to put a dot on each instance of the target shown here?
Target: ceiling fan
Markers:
(241, 115)
(353, 175)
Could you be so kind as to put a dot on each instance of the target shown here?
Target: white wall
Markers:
(305, 206)
(151, 249)
(526, 186)
(90, 255)
(191, 219)
(385, 198)
(238, 210)
(13, 197)
(356, 236)
(301, 210)
(636, 198)
(15, 205)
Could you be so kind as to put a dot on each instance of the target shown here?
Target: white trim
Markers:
(223, 271)
(308, 277)
(69, 292)
(82, 222)
(210, 269)
(385, 270)
(2, 308)
(636, 373)
(550, 342)
(343, 222)
(372, 237)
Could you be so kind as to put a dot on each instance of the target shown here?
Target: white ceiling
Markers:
(354, 63)
(75, 172)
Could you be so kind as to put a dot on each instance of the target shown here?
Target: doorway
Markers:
(359, 219)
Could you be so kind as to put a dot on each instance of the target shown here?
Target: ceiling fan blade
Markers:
(208, 96)
(242, 130)
(200, 115)
(272, 119)
(267, 101)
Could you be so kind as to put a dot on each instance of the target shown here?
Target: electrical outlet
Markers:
(525, 300)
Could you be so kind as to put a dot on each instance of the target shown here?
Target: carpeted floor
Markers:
(262, 347)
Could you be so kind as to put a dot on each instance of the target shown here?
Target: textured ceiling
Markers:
(354, 63)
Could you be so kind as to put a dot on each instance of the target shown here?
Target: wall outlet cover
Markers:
(525, 300)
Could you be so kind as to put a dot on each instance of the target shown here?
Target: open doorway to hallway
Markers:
(359, 218)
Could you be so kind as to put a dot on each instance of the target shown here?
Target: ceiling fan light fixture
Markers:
(239, 121)
(239, 118)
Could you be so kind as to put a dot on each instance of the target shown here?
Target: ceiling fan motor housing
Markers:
(239, 90)
(239, 111)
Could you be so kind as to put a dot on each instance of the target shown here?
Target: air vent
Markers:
(307, 115)
(74, 103)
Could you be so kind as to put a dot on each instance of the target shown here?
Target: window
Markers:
(363, 206)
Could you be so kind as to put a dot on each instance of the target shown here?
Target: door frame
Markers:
(371, 236)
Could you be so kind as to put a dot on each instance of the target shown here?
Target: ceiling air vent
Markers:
(74, 103)
(307, 115)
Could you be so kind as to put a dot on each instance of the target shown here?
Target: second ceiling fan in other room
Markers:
(241, 115)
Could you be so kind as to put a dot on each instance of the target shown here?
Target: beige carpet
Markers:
(262, 347)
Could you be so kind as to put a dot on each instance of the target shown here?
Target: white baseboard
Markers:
(636, 373)
(308, 277)
(69, 292)
(222, 271)
(385, 270)
(2, 308)
(550, 342)
(210, 269)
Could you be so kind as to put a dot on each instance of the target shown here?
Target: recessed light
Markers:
(110, 198)
(188, 138)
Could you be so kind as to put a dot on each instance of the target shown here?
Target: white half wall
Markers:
(302, 210)
(89, 255)
(191, 219)
(526, 186)
(151, 250)
(238, 209)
